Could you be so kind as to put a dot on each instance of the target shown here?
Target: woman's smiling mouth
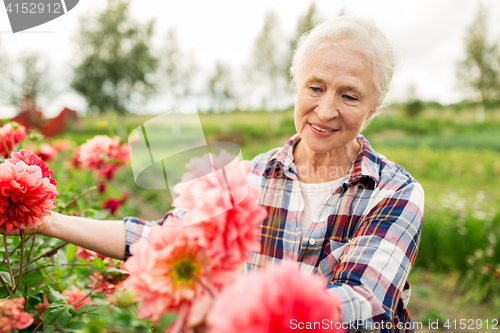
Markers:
(322, 129)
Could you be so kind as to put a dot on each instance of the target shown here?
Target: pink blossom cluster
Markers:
(12, 315)
(27, 190)
(179, 268)
(47, 152)
(107, 283)
(75, 295)
(195, 270)
(217, 194)
(87, 255)
(166, 272)
(275, 300)
(103, 153)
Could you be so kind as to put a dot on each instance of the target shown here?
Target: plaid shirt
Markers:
(363, 240)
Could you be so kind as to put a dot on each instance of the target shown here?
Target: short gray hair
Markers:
(354, 33)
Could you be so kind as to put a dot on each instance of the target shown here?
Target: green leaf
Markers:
(57, 304)
(60, 315)
(32, 278)
(74, 326)
(72, 311)
(100, 214)
(70, 252)
(48, 328)
(165, 321)
(86, 308)
(6, 278)
(98, 264)
(116, 270)
(54, 296)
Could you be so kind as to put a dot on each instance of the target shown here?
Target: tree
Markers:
(178, 69)
(305, 24)
(116, 62)
(269, 61)
(220, 87)
(32, 80)
(414, 106)
(479, 72)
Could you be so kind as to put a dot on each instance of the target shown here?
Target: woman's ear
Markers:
(372, 111)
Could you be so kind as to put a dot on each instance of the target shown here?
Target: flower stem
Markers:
(38, 327)
(90, 189)
(5, 145)
(45, 266)
(46, 254)
(89, 293)
(72, 304)
(8, 259)
(5, 285)
(97, 181)
(20, 262)
(12, 252)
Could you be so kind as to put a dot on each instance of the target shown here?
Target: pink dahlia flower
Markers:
(12, 315)
(32, 159)
(25, 195)
(231, 230)
(274, 301)
(107, 282)
(74, 295)
(103, 151)
(47, 152)
(61, 145)
(74, 162)
(166, 272)
(40, 307)
(10, 137)
(87, 255)
(216, 184)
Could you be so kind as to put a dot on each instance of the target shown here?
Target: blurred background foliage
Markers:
(453, 150)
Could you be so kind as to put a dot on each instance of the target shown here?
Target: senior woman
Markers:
(336, 207)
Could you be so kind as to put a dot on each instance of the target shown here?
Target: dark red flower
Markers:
(10, 136)
(113, 204)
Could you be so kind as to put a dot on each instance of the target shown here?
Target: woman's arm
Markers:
(104, 237)
(373, 270)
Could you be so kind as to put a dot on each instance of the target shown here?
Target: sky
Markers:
(427, 36)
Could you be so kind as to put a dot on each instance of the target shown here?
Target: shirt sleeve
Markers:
(138, 230)
(373, 270)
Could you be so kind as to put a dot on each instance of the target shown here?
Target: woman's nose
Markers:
(328, 107)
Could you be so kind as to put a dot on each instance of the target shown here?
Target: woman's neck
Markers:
(315, 167)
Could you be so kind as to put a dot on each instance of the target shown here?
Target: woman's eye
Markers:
(350, 98)
(315, 89)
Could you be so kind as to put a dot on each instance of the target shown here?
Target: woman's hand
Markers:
(41, 229)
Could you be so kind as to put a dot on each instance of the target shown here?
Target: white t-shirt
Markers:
(314, 195)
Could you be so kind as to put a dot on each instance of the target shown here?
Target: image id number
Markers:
(34, 8)
(471, 324)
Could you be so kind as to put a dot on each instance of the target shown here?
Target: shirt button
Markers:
(312, 241)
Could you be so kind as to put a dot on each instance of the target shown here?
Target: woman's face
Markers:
(336, 93)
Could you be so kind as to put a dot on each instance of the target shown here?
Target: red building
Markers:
(32, 116)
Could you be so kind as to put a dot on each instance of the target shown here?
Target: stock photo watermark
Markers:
(162, 147)
(26, 14)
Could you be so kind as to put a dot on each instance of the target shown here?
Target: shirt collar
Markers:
(367, 163)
